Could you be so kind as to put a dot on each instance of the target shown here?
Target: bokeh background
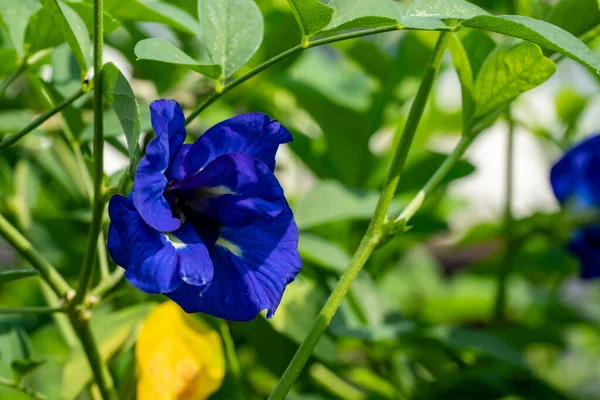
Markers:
(419, 322)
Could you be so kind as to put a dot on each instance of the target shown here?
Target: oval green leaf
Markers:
(447, 9)
(312, 15)
(540, 32)
(120, 96)
(232, 31)
(513, 68)
(162, 50)
(74, 32)
(14, 16)
(16, 274)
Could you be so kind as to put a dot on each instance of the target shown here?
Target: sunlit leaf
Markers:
(447, 9)
(23, 367)
(7, 275)
(164, 51)
(312, 15)
(232, 31)
(15, 15)
(323, 253)
(74, 31)
(540, 32)
(120, 96)
(512, 69)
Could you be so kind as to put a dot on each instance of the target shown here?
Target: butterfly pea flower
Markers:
(207, 224)
(575, 180)
(178, 357)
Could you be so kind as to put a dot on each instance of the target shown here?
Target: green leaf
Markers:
(15, 15)
(462, 65)
(312, 15)
(299, 307)
(539, 32)
(120, 96)
(575, 16)
(164, 51)
(9, 275)
(569, 105)
(511, 69)
(232, 31)
(74, 32)
(9, 62)
(447, 9)
(23, 367)
(323, 253)
(152, 11)
(86, 12)
(354, 14)
(111, 332)
(14, 345)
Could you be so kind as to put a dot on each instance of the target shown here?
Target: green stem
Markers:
(108, 283)
(374, 232)
(33, 310)
(290, 52)
(435, 180)
(62, 321)
(37, 260)
(14, 385)
(101, 372)
(232, 359)
(510, 251)
(98, 175)
(12, 139)
(11, 78)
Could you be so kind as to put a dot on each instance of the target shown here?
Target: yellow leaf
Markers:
(178, 356)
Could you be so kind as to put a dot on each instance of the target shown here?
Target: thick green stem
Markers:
(12, 139)
(98, 176)
(33, 310)
(37, 260)
(23, 389)
(374, 231)
(11, 78)
(511, 248)
(101, 372)
(294, 50)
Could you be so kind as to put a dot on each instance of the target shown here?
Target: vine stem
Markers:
(36, 259)
(511, 249)
(374, 232)
(12, 139)
(288, 53)
(33, 310)
(11, 78)
(20, 388)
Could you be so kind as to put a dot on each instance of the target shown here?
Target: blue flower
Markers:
(207, 224)
(575, 179)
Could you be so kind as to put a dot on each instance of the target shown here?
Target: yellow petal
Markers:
(178, 356)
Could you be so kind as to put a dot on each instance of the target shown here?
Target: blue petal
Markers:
(254, 134)
(585, 244)
(150, 181)
(235, 190)
(176, 170)
(117, 251)
(253, 265)
(158, 262)
(575, 177)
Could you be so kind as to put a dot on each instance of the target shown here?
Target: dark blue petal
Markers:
(254, 134)
(575, 178)
(585, 244)
(253, 265)
(159, 262)
(176, 170)
(235, 190)
(150, 181)
(117, 251)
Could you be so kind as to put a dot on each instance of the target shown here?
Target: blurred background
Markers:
(419, 322)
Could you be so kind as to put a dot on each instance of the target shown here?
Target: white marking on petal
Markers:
(210, 191)
(174, 240)
(232, 247)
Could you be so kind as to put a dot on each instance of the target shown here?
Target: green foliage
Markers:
(232, 31)
(312, 15)
(513, 68)
(16, 274)
(450, 9)
(15, 14)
